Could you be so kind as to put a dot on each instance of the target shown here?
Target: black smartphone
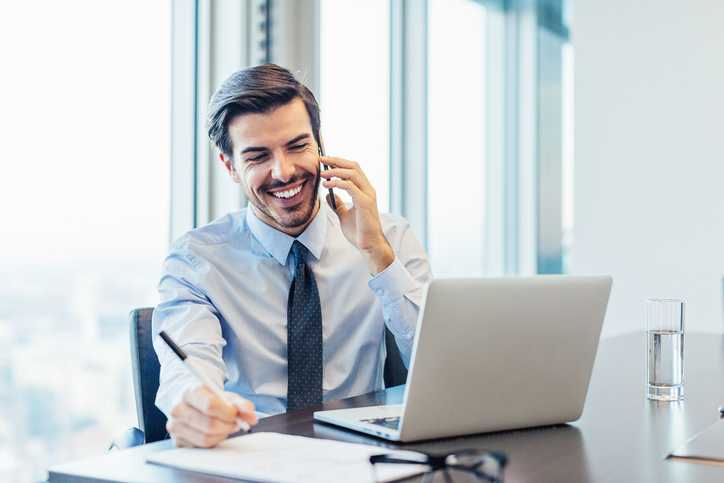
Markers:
(323, 153)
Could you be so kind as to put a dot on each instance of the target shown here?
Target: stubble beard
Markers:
(298, 215)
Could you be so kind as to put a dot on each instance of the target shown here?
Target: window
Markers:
(355, 87)
(456, 110)
(84, 190)
(456, 163)
(499, 137)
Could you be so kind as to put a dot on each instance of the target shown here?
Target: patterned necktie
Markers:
(304, 335)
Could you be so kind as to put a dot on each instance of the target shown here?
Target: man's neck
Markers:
(293, 232)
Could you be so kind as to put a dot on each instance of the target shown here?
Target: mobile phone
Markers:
(323, 153)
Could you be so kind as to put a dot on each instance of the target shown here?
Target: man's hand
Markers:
(361, 223)
(203, 420)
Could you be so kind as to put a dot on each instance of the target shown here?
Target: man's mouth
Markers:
(288, 193)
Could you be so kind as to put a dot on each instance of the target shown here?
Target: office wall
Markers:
(649, 156)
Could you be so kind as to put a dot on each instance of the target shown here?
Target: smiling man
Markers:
(283, 303)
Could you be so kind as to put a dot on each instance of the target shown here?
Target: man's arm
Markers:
(196, 417)
(397, 262)
(360, 223)
(401, 286)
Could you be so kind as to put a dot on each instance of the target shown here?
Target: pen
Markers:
(192, 365)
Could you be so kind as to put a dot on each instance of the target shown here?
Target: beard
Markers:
(293, 216)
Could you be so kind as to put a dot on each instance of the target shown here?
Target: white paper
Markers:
(281, 458)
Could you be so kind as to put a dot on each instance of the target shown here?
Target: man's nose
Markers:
(283, 167)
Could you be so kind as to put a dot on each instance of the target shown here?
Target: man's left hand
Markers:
(361, 223)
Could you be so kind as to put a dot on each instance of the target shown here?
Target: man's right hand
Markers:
(203, 420)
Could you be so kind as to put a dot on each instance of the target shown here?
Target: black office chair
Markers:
(146, 369)
(395, 372)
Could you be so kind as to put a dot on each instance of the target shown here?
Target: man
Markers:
(285, 302)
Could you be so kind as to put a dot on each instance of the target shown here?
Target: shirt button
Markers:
(409, 336)
(380, 292)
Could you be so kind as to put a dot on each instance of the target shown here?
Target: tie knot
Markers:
(300, 253)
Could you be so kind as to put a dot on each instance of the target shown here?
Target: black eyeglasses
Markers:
(482, 465)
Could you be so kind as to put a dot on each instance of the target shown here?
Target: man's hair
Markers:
(255, 90)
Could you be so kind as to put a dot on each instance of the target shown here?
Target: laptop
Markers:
(493, 354)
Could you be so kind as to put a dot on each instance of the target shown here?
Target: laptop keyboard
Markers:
(391, 422)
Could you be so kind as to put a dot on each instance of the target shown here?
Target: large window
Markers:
(456, 109)
(84, 190)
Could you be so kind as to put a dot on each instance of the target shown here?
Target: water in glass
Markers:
(665, 365)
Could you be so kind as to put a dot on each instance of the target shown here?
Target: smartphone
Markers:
(323, 153)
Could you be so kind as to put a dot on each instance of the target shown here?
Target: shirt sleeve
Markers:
(187, 315)
(400, 286)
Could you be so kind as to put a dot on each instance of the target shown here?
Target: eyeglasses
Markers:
(482, 465)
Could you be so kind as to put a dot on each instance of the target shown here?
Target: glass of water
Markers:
(665, 364)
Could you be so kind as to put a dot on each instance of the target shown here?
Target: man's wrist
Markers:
(379, 258)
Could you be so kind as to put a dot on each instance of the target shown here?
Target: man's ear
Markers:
(229, 163)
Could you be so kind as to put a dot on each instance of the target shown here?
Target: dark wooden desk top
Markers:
(621, 436)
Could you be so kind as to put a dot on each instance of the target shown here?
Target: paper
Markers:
(281, 458)
(706, 447)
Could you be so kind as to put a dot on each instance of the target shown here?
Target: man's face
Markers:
(276, 161)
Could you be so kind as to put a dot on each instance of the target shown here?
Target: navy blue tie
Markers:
(304, 335)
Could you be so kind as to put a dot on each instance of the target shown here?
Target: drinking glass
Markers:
(665, 334)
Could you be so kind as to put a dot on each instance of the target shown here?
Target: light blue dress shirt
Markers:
(224, 292)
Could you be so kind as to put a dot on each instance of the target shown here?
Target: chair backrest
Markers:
(395, 372)
(146, 370)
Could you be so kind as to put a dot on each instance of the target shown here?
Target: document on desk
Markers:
(281, 458)
(706, 447)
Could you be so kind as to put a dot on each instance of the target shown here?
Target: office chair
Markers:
(146, 369)
(395, 372)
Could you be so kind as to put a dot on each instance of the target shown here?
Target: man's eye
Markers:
(298, 147)
(256, 159)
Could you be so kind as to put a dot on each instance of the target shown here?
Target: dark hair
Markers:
(255, 90)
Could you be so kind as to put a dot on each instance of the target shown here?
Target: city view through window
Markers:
(84, 209)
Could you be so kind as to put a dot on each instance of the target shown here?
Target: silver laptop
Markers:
(493, 354)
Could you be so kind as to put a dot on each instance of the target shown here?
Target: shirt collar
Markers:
(279, 244)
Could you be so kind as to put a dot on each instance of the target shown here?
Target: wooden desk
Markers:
(621, 436)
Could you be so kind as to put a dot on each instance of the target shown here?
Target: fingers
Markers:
(345, 173)
(348, 170)
(201, 420)
(186, 437)
(246, 408)
(206, 403)
(352, 189)
(341, 208)
(333, 162)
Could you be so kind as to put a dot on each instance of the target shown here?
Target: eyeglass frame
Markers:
(449, 460)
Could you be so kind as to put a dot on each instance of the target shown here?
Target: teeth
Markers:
(288, 194)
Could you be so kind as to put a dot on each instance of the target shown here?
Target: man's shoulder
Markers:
(218, 232)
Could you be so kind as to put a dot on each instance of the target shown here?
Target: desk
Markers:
(620, 437)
